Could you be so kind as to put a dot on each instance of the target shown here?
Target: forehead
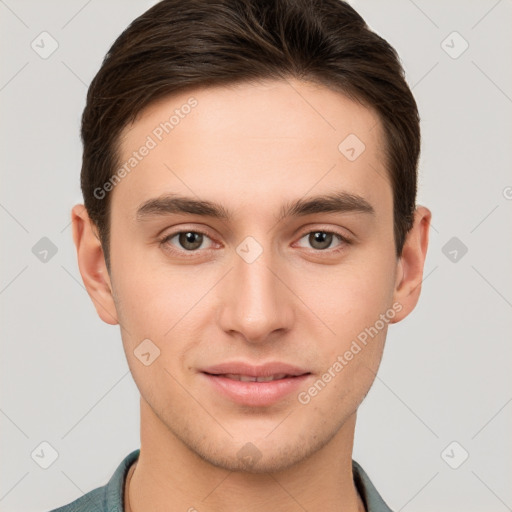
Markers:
(252, 144)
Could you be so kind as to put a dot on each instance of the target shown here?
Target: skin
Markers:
(252, 148)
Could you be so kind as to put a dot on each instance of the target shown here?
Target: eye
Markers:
(192, 240)
(321, 240)
(189, 241)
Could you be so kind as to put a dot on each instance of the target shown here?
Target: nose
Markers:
(255, 301)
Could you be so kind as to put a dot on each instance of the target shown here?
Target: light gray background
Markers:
(446, 371)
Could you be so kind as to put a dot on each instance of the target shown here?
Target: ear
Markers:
(91, 262)
(410, 266)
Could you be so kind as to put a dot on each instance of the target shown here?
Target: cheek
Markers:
(352, 306)
(153, 309)
(349, 297)
(148, 304)
(153, 317)
(168, 307)
(145, 288)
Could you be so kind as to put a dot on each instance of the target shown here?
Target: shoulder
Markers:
(93, 501)
(109, 497)
(372, 499)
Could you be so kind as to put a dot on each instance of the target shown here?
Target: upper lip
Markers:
(263, 370)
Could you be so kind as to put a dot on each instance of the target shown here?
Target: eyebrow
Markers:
(337, 202)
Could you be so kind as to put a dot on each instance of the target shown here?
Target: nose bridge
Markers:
(256, 302)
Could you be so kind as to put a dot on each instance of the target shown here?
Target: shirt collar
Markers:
(372, 499)
(115, 487)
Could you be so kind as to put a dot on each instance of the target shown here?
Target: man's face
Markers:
(250, 288)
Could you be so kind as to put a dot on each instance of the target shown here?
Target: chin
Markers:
(260, 455)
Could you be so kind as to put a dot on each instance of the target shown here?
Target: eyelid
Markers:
(342, 238)
(345, 240)
(327, 229)
(165, 238)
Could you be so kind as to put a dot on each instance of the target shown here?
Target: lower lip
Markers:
(256, 393)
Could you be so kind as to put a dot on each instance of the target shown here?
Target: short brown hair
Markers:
(178, 45)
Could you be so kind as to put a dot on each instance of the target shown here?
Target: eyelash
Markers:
(345, 241)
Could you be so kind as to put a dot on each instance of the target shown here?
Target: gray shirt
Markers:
(109, 498)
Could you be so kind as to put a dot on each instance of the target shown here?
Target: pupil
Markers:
(320, 237)
(188, 240)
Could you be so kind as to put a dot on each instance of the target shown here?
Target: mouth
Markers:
(255, 386)
(250, 378)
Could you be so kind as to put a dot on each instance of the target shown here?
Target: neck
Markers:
(170, 477)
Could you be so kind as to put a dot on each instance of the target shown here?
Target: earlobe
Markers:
(91, 262)
(411, 263)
